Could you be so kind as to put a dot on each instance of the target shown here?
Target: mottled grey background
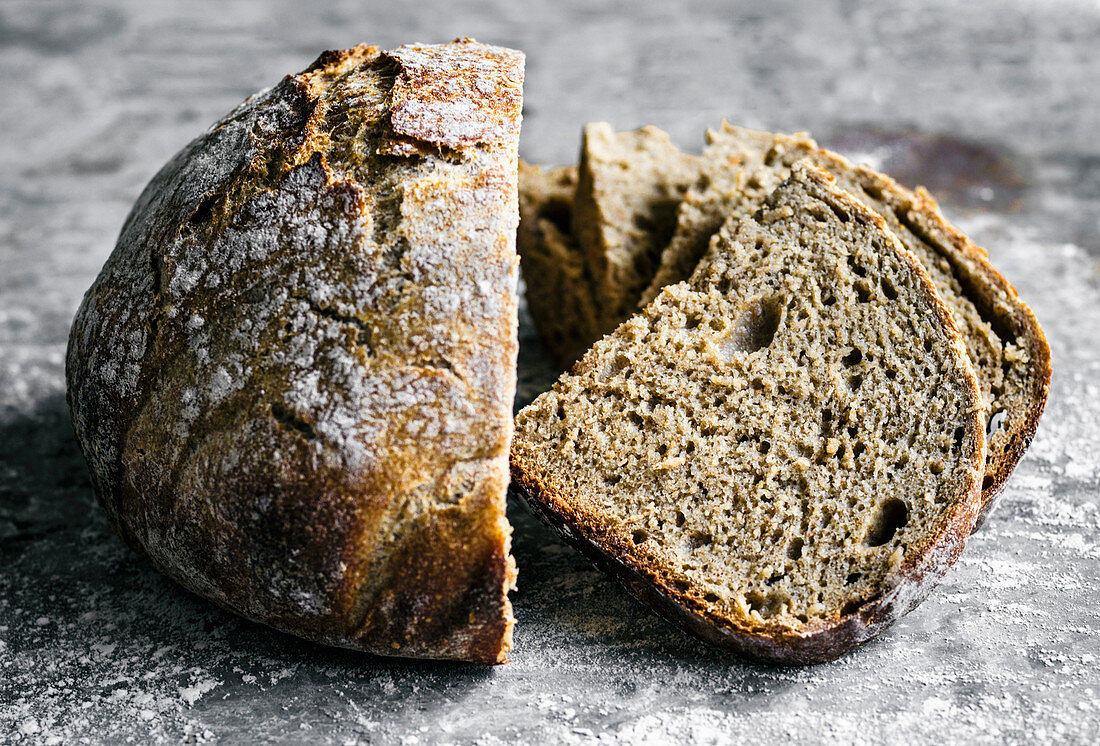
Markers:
(995, 104)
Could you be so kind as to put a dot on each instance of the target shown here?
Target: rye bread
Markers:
(557, 288)
(1006, 346)
(591, 237)
(293, 379)
(782, 454)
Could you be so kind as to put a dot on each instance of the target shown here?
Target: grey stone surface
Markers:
(993, 103)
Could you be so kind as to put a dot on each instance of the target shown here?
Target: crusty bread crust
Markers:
(293, 379)
(905, 588)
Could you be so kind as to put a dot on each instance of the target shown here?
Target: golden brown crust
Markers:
(283, 379)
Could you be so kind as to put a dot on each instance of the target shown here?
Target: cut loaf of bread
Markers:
(1009, 352)
(293, 379)
(784, 453)
(1007, 348)
(591, 237)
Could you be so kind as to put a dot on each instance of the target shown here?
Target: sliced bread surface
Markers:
(1005, 343)
(782, 454)
(591, 237)
(624, 211)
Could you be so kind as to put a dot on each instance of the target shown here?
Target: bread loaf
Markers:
(293, 379)
(782, 454)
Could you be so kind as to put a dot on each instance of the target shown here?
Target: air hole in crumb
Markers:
(765, 446)
(692, 322)
(612, 479)
(852, 358)
(891, 374)
(936, 467)
(710, 598)
(755, 329)
(853, 578)
(639, 537)
(662, 449)
(855, 382)
(987, 482)
(927, 345)
(680, 519)
(863, 292)
(959, 433)
(996, 420)
(724, 286)
(698, 539)
(889, 290)
(858, 449)
(561, 412)
(775, 578)
(859, 270)
(828, 300)
(891, 515)
(794, 551)
(852, 430)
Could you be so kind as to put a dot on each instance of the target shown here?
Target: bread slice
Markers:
(1006, 346)
(558, 292)
(293, 379)
(624, 211)
(591, 237)
(784, 453)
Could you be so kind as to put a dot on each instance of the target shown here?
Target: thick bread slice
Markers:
(1006, 346)
(293, 379)
(558, 292)
(591, 237)
(783, 454)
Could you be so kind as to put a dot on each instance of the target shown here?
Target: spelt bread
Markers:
(1006, 346)
(293, 379)
(591, 237)
(784, 453)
